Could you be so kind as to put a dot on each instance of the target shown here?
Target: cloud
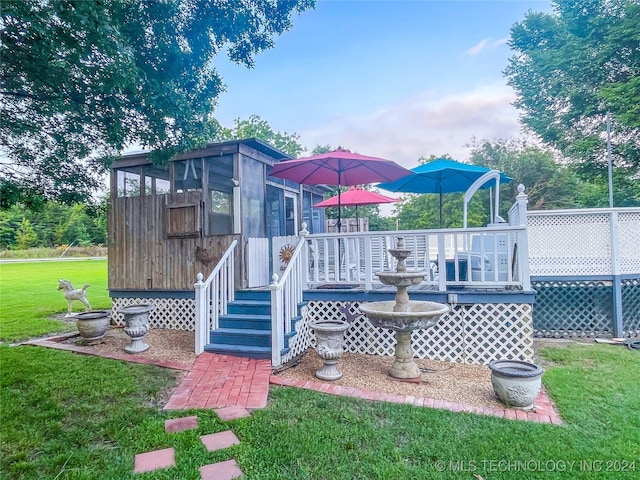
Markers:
(431, 122)
(484, 44)
(478, 47)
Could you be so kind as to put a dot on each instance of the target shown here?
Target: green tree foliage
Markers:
(423, 211)
(593, 191)
(82, 79)
(26, 236)
(52, 225)
(570, 68)
(322, 149)
(256, 127)
(548, 184)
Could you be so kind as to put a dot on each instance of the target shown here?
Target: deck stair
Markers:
(245, 331)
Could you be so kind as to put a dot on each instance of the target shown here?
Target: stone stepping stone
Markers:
(155, 460)
(221, 471)
(231, 413)
(180, 424)
(218, 441)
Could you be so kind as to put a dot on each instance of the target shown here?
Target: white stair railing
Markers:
(213, 295)
(286, 295)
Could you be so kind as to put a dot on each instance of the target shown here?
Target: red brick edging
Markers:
(543, 411)
(57, 343)
(219, 380)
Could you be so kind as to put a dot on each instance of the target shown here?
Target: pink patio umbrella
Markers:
(339, 167)
(355, 196)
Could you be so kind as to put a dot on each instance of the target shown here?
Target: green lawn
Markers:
(29, 295)
(66, 416)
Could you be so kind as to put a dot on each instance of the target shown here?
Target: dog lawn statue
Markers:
(72, 294)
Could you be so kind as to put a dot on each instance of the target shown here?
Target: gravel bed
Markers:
(453, 382)
(166, 345)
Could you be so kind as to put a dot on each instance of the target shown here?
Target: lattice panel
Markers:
(303, 338)
(494, 331)
(631, 307)
(573, 309)
(569, 244)
(171, 313)
(468, 334)
(628, 235)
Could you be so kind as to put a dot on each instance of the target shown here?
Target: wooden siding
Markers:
(143, 257)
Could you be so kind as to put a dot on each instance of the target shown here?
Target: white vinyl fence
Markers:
(585, 268)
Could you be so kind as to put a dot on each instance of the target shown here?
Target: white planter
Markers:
(92, 324)
(136, 325)
(329, 340)
(516, 383)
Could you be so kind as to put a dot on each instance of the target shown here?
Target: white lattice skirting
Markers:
(472, 334)
(303, 338)
(171, 313)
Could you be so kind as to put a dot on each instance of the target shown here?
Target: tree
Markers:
(423, 211)
(53, 224)
(82, 79)
(26, 236)
(256, 127)
(573, 66)
(549, 184)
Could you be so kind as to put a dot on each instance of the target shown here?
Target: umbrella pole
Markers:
(339, 227)
(441, 209)
(339, 211)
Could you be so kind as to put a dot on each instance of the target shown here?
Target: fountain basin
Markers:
(415, 315)
(402, 279)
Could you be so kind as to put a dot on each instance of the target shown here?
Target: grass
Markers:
(30, 296)
(65, 416)
(73, 417)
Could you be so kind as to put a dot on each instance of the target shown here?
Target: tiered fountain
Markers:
(403, 315)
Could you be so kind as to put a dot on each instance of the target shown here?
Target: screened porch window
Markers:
(156, 180)
(128, 182)
(188, 175)
(220, 195)
(142, 180)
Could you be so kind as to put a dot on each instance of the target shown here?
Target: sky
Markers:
(392, 79)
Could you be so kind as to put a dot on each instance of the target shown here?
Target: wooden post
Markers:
(442, 264)
(277, 313)
(614, 232)
(523, 239)
(202, 320)
(368, 270)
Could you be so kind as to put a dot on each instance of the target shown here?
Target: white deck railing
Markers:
(212, 297)
(474, 257)
(286, 296)
(488, 257)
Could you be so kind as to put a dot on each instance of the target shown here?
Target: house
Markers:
(204, 238)
(190, 236)
(169, 223)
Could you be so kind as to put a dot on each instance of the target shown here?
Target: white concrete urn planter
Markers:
(516, 383)
(136, 325)
(329, 340)
(92, 324)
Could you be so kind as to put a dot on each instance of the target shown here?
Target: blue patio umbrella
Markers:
(440, 176)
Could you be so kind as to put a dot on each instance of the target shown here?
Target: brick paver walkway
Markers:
(217, 381)
(543, 411)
